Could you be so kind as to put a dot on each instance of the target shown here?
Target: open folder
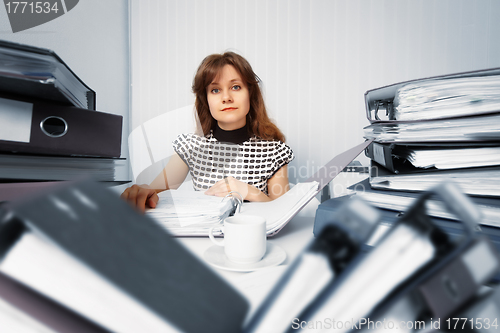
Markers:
(278, 213)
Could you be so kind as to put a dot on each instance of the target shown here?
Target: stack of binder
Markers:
(49, 128)
(429, 130)
(445, 127)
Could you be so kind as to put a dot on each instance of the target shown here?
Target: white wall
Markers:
(316, 57)
(93, 40)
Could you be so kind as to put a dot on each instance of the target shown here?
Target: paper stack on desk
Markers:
(182, 210)
(77, 258)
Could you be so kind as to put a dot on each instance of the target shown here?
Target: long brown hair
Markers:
(257, 120)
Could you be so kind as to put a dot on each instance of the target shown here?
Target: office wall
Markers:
(316, 58)
(93, 40)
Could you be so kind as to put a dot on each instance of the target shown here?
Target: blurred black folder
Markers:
(87, 249)
(339, 241)
(39, 127)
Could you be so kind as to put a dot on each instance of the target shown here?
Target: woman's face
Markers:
(229, 99)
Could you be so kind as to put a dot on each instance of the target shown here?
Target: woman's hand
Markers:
(140, 196)
(226, 185)
(247, 192)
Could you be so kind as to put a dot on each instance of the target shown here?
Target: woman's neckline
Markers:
(236, 136)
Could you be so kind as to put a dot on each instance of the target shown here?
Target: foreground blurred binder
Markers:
(412, 254)
(86, 249)
(38, 127)
(338, 242)
(413, 157)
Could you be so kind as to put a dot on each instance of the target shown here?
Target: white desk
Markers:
(255, 285)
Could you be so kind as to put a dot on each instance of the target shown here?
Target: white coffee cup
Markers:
(244, 238)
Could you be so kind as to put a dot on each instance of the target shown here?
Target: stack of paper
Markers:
(189, 212)
(473, 181)
(447, 98)
(449, 130)
(40, 167)
(400, 201)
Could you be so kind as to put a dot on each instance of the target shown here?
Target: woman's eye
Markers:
(236, 87)
(215, 91)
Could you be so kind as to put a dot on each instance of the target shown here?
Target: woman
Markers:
(237, 147)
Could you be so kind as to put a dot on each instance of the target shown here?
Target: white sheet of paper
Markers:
(15, 124)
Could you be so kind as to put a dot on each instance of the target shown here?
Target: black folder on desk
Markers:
(90, 229)
(56, 129)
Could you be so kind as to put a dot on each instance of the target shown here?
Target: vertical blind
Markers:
(316, 59)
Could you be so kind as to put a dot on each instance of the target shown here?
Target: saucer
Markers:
(216, 257)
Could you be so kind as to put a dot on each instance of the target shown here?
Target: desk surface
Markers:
(255, 285)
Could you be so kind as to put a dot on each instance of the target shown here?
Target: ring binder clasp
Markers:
(239, 201)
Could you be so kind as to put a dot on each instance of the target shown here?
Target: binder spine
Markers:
(381, 154)
(458, 282)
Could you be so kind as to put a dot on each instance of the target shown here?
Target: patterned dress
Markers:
(252, 161)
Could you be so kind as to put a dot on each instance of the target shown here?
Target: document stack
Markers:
(49, 128)
(438, 128)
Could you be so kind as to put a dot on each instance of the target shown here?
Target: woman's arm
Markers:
(277, 185)
(171, 177)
